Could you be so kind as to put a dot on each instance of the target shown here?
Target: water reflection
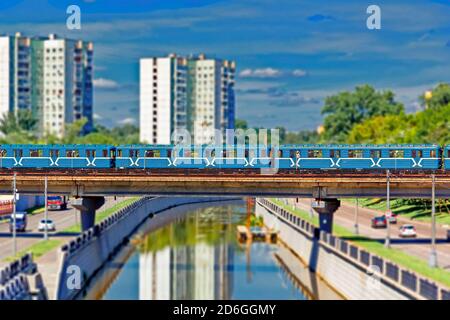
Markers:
(198, 257)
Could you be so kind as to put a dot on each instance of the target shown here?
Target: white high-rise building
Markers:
(162, 98)
(193, 93)
(15, 73)
(50, 76)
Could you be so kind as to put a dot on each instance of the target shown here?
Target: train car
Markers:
(143, 156)
(56, 156)
(365, 157)
(446, 157)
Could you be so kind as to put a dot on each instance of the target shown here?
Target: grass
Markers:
(36, 210)
(375, 247)
(101, 215)
(412, 211)
(42, 247)
(37, 250)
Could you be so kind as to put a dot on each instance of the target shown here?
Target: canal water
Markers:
(198, 257)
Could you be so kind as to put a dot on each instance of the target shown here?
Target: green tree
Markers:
(440, 96)
(240, 124)
(343, 110)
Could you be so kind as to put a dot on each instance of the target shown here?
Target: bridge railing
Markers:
(14, 284)
(411, 282)
(86, 237)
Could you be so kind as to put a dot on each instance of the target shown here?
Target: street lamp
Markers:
(14, 216)
(46, 209)
(428, 95)
(433, 254)
(356, 217)
(387, 242)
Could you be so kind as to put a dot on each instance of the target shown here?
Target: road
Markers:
(63, 219)
(419, 247)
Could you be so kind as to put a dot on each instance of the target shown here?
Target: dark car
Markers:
(379, 222)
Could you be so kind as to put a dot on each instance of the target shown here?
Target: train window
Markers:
(263, 153)
(335, 153)
(315, 153)
(54, 153)
(448, 153)
(134, 153)
(149, 153)
(36, 153)
(246, 153)
(105, 153)
(416, 153)
(72, 153)
(355, 153)
(169, 153)
(375, 153)
(280, 154)
(433, 154)
(195, 154)
(2, 153)
(90, 153)
(119, 153)
(396, 153)
(18, 153)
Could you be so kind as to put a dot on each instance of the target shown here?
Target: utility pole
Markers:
(433, 254)
(46, 208)
(356, 230)
(14, 216)
(387, 243)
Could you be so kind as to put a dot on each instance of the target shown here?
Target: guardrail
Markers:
(14, 283)
(98, 229)
(407, 280)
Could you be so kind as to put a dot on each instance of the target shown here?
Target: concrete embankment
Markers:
(352, 271)
(82, 258)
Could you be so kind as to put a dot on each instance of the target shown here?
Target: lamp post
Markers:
(433, 254)
(14, 216)
(46, 209)
(387, 242)
(356, 217)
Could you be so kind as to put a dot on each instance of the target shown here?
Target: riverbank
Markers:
(345, 264)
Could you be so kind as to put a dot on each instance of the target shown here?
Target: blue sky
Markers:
(290, 54)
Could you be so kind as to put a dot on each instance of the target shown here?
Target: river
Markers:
(198, 257)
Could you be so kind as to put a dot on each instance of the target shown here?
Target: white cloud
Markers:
(105, 83)
(127, 121)
(260, 73)
(299, 73)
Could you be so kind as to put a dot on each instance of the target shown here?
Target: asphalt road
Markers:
(63, 219)
(419, 247)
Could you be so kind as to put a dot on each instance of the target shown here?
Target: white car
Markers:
(408, 231)
(49, 223)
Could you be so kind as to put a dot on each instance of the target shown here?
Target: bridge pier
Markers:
(87, 207)
(326, 209)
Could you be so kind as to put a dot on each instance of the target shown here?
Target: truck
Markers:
(57, 202)
(20, 222)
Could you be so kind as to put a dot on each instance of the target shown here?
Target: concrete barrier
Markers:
(19, 280)
(94, 247)
(353, 271)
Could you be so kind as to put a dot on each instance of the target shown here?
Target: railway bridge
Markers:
(89, 188)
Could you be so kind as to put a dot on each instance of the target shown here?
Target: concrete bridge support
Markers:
(326, 209)
(87, 207)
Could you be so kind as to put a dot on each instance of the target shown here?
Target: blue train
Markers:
(427, 157)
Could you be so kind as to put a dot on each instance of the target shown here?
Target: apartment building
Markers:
(194, 93)
(50, 76)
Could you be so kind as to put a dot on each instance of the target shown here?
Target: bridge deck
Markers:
(300, 185)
